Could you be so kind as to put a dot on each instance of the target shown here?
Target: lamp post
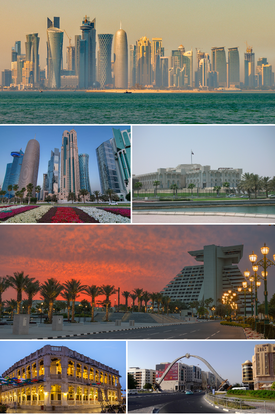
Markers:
(257, 284)
(213, 310)
(264, 263)
(243, 288)
(250, 289)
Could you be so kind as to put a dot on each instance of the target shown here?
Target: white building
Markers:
(143, 376)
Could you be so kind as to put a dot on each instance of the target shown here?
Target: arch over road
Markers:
(187, 355)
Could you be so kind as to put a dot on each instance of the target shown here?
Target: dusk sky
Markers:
(13, 138)
(126, 256)
(226, 357)
(250, 148)
(110, 353)
(193, 23)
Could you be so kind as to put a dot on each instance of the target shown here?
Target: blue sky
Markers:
(110, 353)
(226, 357)
(12, 138)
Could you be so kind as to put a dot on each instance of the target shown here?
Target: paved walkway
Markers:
(176, 217)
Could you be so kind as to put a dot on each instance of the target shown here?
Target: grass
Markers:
(195, 198)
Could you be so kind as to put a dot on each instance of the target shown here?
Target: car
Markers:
(189, 392)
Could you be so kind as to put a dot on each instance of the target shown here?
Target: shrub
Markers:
(128, 196)
(34, 200)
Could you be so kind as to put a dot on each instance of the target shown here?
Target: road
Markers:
(201, 330)
(170, 403)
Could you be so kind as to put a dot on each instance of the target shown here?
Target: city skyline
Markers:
(49, 138)
(205, 19)
(217, 146)
(146, 355)
(128, 257)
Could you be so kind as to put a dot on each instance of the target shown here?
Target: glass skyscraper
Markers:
(121, 59)
(86, 53)
(30, 165)
(69, 171)
(84, 172)
(219, 64)
(104, 59)
(133, 65)
(107, 168)
(143, 61)
(55, 37)
(234, 66)
(249, 68)
(53, 175)
(13, 171)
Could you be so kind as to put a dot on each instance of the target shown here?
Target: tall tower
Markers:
(234, 66)
(143, 61)
(84, 172)
(50, 23)
(69, 174)
(55, 37)
(107, 168)
(104, 59)
(13, 170)
(121, 144)
(53, 175)
(133, 65)
(85, 57)
(121, 59)
(249, 67)
(30, 165)
(219, 64)
(31, 65)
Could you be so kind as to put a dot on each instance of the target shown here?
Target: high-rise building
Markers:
(181, 70)
(77, 40)
(104, 59)
(133, 66)
(258, 76)
(84, 172)
(219, 65)
(143, 376)
(204, 69)
(249, 68)
(234, 67)
(30, 165)
(210, 280)
(121, 143)
(53, 175)
(164, 65)
(69, 171)
(107, 168)
(71, 58)
(267, 75)
(121, 59)
(86, 53)
(263, 365)
(55, 39)
(157, 51)
(143, 61)
(32, 58)
(6, 77)
(13, 171)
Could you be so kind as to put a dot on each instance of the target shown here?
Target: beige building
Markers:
(263, 366)
(63, 379)
(69, 171)
(143, 376)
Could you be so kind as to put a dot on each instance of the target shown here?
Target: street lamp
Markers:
(243, 288)
(264, 263)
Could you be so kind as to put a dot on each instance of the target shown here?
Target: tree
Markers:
(256, 182)
(153, 297)
(72, 196)
(110, 193)
(37, 190)
(68, 297)
(266, 185)
(132, 383)
(29, 190)
(226, 185)
(74, 287)
(207, 302)
(138, 186)
(133, 296)
(146, 297)
(194, 304)
(138, 292)
(217, 189)
(126, 295)
(174, 187)
(4, 284)
(97, 193)
(50, 290)
(191, 186)
(156, 184)
(147, 386)
(83, 193)
(11, 306)
(93, 291)
(107, 290)
(31, 289)
(15, 189)
(19, 281)
(2, 194)
(92, 198)
(246, 183)
(159, 300)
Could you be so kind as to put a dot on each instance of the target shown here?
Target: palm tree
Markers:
(31, 289)
(138, 292)
(158, 300)
(50, 290)
(83, 193)
(4, 284)
(2, 194)
(97, 193)
(226, 185)
(191, 186)
(72, 197)
(174, 187)
(153, 297)
(266, 184)
(217, 189)
(107, 290)
(75, 288)
(109, 193)
(29, 190)
(126, 295)
(146, 297)
(15, 189)
(11, 306)
(37, 189)
(9, 190)
(138, 186)
(133, 296)
(256, 182)
(22, 191)
(68, 297)
(156, 184)
(246, 184)
(19, 282)
(93, 291)
(207, 302)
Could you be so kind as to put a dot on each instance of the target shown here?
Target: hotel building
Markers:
(263, 366)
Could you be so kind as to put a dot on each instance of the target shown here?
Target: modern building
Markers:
(263, 366)
(143, 61)
(219, 65)
(249, 68)
(180, 377)
(56, 376)
(121, 59)
(49, 68)
(104, 59)
(216, 275)
(267, 76)
(121, 143)
(13, 172)
(53, 175)
(234, 67)
(107, 168)
(69, 172)
(32, 59)
(85, 51)
(247, 373)
(143, 376)
(84, 172)
(30, 165)
(55, 39)
(133, 65)
(181, 70)
(157, 51)
(6, 77)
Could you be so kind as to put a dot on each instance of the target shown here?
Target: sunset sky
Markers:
(193, 23)
(127, 256)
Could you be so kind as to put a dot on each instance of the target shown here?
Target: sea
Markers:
(80, 107)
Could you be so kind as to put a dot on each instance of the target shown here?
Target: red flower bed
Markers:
(65, 215)
(53, 212)
(4, 207)
(119, 211)
(14, 212)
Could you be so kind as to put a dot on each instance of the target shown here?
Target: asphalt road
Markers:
(170, 403)
(200, 330)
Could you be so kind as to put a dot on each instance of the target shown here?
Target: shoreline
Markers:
(146, 91)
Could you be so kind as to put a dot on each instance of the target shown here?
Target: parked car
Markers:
(189, 392)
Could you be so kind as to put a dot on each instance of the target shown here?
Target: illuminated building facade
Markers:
(143, 61)
(60, 377)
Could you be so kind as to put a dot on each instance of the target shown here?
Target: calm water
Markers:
(268, 210)
(111, 108)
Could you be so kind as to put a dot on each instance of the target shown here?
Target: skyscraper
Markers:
(13, 171)
(204, 69)
(249, 67)
(107, 168)
(133, 65)
(219, 64)
(69, 172)
(234, 66)
(55, 37)
(121, 59)
(104, 59)
(30, 165)
(121, 143)
(143, 61)
(86, 54)
(84, 172)
(32, 57)
(157, 51)
(53, 175)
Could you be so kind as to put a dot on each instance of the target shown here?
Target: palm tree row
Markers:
(253, 183)
(19, 194)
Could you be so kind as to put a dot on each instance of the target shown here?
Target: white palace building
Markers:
(56, 376)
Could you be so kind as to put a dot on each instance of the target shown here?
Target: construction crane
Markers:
(248, 48)
(70, 39)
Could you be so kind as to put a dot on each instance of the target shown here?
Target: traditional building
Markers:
(263, 366)
(56, 376)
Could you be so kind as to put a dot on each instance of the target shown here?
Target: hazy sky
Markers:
(226, 357)
(110, 353)
(12, 138)
(126, 256)
(251, 148)
(198, 24)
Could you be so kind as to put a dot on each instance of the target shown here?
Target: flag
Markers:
(192, 153)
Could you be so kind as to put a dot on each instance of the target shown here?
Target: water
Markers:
(141, 108)
(268, 210)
